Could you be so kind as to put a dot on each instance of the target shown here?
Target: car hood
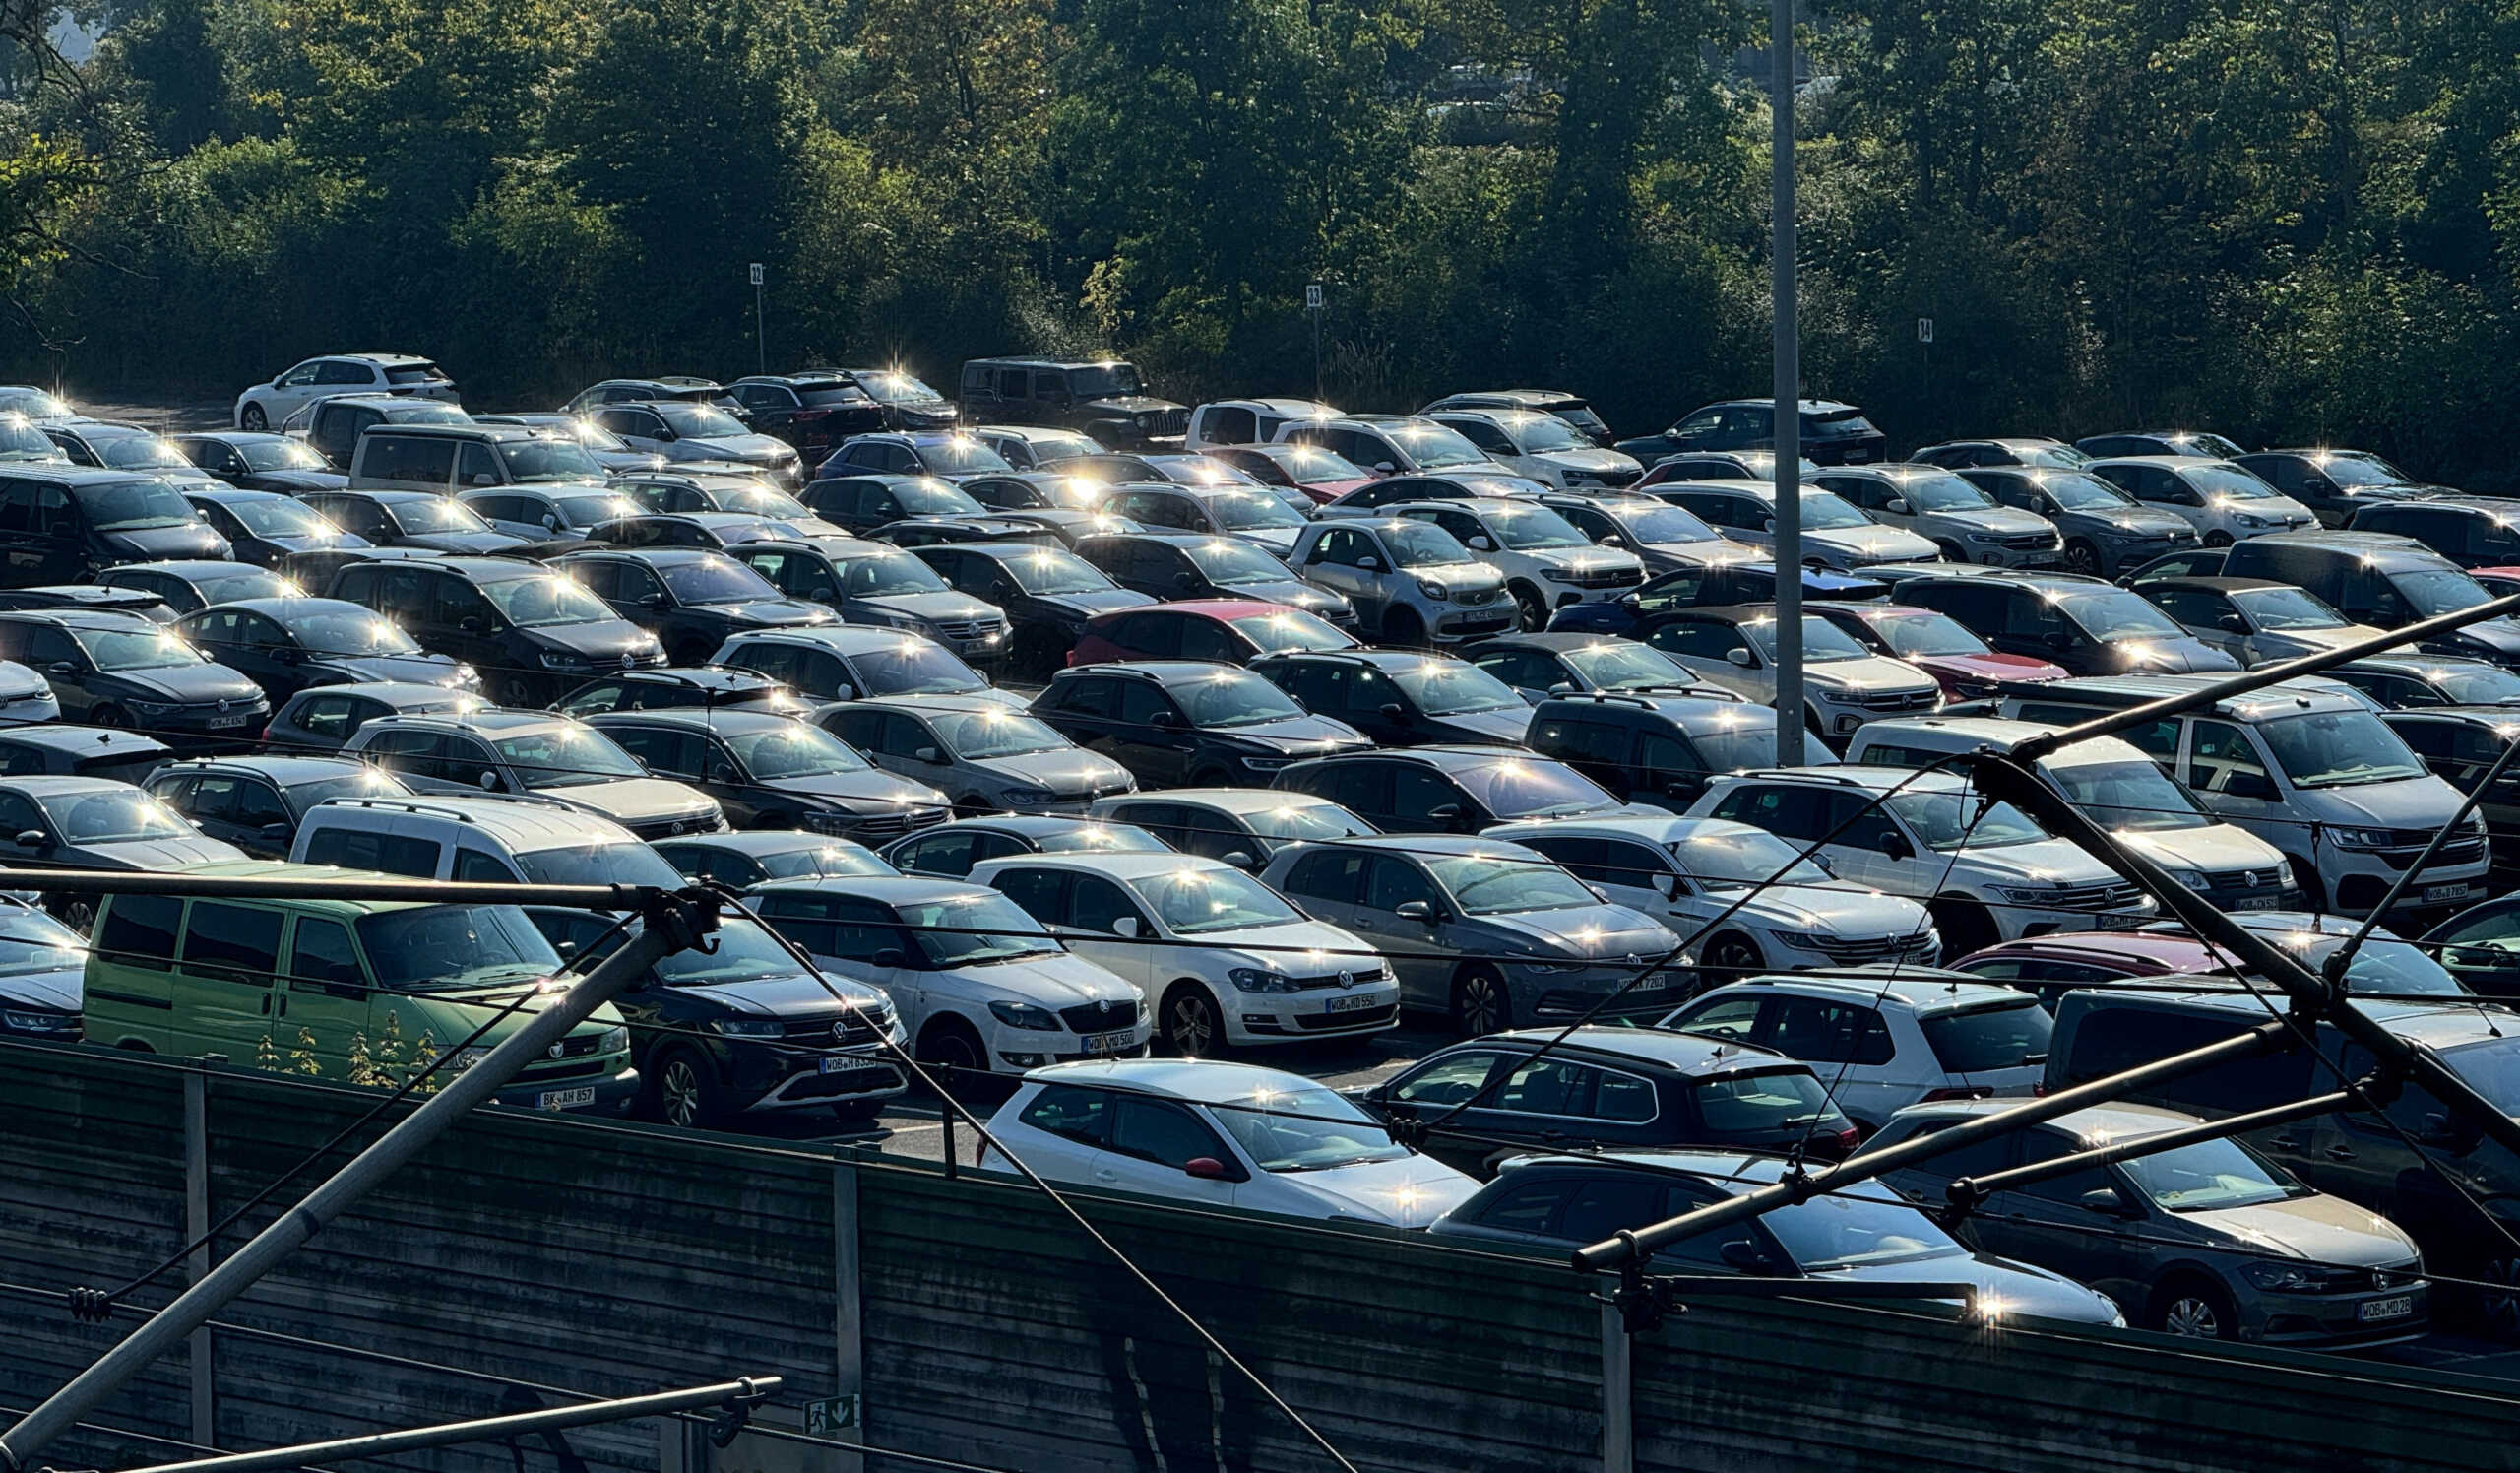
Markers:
(1999, 519)
(763, 614)
(415, 669)
(1280, 948)
(2309, 640)
(2491, 637)
(60, 991)
(1989, 666)
(1297, 736)
(1590, 458)
(2183, 655)
(2039, 862)
(1596, 933)
(2318, 1227)
(158, 855)
(190, 540)
(942, 604)
(191, 684)
(1101, 600)
(1505, 725)
(1276, 542)
(1131, 404)
(20, 683)
(301, 481)
(1872, 673)
(871, 789)
(1288, 591)
(1456, 579)
(1069, 773)
(1058, 980)
(318, 542)
(2017, 1288)
(2214, 847)
(1830, 910)
(1881, 544)
(1408, 1192)
(756, 450)
(2424, 802)
(794, 995)
(462, 542)
(597, 639)
(2137, 523)
(630, 800)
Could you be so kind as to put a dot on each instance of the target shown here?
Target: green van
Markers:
(353, 990)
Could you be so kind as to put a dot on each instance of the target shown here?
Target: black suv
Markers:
(1448, 790)
(2333, 483)
(1400, 697)
(862, 503)
(531, 633)
(2088, 626)
(813, 409)
(1175, 722)
(1657, 750)
(2474, 531)
(255, 803)
(62, 524)
(1047, 593)
(690, 599)
(1106, 400)
(1833, 433)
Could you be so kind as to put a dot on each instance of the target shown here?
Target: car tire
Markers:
(2194, 1307)
(1193, 1025)
(1481, 1003)
(109, 715)
(1531, 607)
(2306, 875)
(77, 912)
(1402, 628)
(1729, 956)
(2497, 1313)
(2217, 540)
(972, 805)
(955, 1047)
(2082, 555)
(1952, 552)
(1214, 777)
(680, 1091)
(252, 419)
(1966, 924)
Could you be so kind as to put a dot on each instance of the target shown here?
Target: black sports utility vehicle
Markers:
(1177, 722)
(690, 599)
(1047, 593)
(1400, 697)
(1106, 400)
(1833, 433)
(533, 633)
(812, 410)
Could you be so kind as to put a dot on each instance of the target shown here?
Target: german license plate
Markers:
(2445, 892)
(1108, 1043)
(2255, 903)
(1652, 984)
(1355, 1003)
(216, 722)
(564, 1099)
(2393, 1307)
(838, 1063)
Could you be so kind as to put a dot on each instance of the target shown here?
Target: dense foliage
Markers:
(2288, 221)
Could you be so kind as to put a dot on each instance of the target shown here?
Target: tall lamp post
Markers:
(1788, 400)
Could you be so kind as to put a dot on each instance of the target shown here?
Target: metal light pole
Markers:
(760, 342)
(1788, 400)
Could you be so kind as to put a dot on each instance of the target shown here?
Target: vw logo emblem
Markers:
(840, 1029)
(556, 1050)
(225, 704)
(1346, 979)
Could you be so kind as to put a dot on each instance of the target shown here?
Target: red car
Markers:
(2499, 582)
(1231, 630)
(1966, 666)
(1323, 474)
(2082, 958)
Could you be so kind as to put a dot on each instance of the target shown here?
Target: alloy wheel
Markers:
(2191, 1315)
(1188, 1022)
(1482, 1005)
(678, 1093)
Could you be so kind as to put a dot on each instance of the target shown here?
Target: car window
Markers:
(1733, 1018)
(2218, 753)
(1394, 881)
(1527, 1209)
(1162, 1132)
(1604, 1206)
(139, 931)
(1448, 1080)
(1791, 813)
(1817, 1031)
(321, 952)
(239, 943)
(1082, 1116)
(1334, 875)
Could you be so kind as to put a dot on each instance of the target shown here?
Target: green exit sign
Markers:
(833, 1413)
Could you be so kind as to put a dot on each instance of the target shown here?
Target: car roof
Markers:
(82, 619)
(348, 910)
(521, 825)
(44, 785)
(194, 568)
(843, 639)
(286, 608)
(391, 692)
(905, 889)
(1215, 609)
(653, 555)
(758, 841)
(724, 719)
(55, 474)
(1925, 991)
(1226, 800)
(1446, 757)
(1663, 828)
(1865, 775)
(2218, 585)
(481, 569)
(2125, 691)
(2094, 1125)
(2505, 720)
(506, 435)
(1122, 865)
(1715, 708)
(1198, 1080)
(2441, 1023)
(1430, 844)
(81, 740)
(282, 770)
(490, 718)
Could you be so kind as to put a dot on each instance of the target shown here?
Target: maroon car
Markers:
(1966, 666)
(2083, 958)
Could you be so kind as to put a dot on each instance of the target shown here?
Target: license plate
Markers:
(838, 1063)
(216, 722)
(1652, 984)
(2445, 892)
(564, 1099)
(2255, 903)
(2385, 1309)
(1354, 1003)
(1108, 1043)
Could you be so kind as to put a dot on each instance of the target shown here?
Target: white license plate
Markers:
(225, 721)
(1108, 1043)
(838, 1063)
(564, 1099)
(2445, 892)
(2385, 1309)
(2255, 903)
(1354, 1004)
(1652, 984)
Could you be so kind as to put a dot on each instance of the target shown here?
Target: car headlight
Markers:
(1029, 796)
(1255, 980)
(748, 1027)
(1802, 941)
(1434, 592)
(40, 1022)
(1266, 764)
(564, 661)
(829, 823)
(2361, 837)
(2247, 520)
(1550, 964)
(1562, 575)
(2300, 1278)
(1984, 537)
(465, 674)
(1026, 1015)
(2193, 879)
(2027, 895)
(2476, 822)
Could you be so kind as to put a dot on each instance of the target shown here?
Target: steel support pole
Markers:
(1618, 1387)
(198, 1350)
(1789, 397)
(670, 928)
(849, 1310)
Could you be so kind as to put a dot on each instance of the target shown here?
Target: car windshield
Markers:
(759, 500)
(587, 511)
(1104, 381)
(1291, 629)
(892, 386)
(434, 514)
(445, 948)
(1289, 823)
(1233, 698)
(1940, 490)
(137, 649)
(1919, 631)
(2476, 684)
(1193, 901)
(882, 574)
(133, 505)
(1525, 529)
(1249, 511)
(2491, 1068)
(2286, 608)
(978, 735)
(1500, 883)
(2433, 591)
(1540, 433)
(969, 930)
(915, 665)
(1941, 819)
(550, 458)
(2050, 453)
(1858, 1228)
(712, 579)
(2111, 615)
(1052, 570)
(1099, 838)
(1450, 688)
(566, 757)
(2008, 1035)
(959, 455)
(279, 516)
(35, 402)
(1532, 788)
(2132, 794)
(1434, 446)
(33, 942)
(2209, 1176)
(2382, 965)
(542, 601)
(1304, 1129)
(706, 421)
(278, 455)
(839, 856)
(592, 435)
(348, 630)
(2338, 749)
(1057, 445)
(1624, 665)
(1728, 860)
(1663, 525)
(794, 749)
(1415, 545)
(1074, 492)
(2226, 482)
(937, 498)
(740, 950)
(139, 453)
(246, 583)
(1823, 511)
(1230, 562)
(2080, 492)
(21, 441)
(1313, 465)
(1822, 641)
(112, 817)
(619, 861)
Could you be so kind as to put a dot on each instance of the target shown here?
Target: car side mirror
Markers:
(1668, 884)
(844, 693)
(888, 958)
(1415, 910)
(1445, 812)
(1742, 1256)
(1612, 540)
(471, 623)
(1385, 467)
(2107, 1201)
(1896, 845)
(1165, 720)
(664, 434)
(652, 601)
(35, 839)
(550, 522)
(1599, 893)
(1241, 859)
(275, 833)
(2057, 639)
(490, 780)
(930, 755)
(1370, 565)
(2441, 1130)
(1391, 711)
(1768, 525)
(481, 477)
(1898, 506)
(1206, 1169)
(68, 669)
(2255, 785)
(1125, 926)
(1480, 544)
(1741, 657)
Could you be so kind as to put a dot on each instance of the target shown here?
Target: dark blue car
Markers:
(1702, 587)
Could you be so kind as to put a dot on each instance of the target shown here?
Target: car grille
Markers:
(1862, 951)
(839, 1030)
(895, 824)
(1100, 1017)
(545, 1073)
(1610, 577)
(666, 828)
(1165, 423)
(2112, 896)
(1363, 1018)
(1614, 478)
(2398, 1275)
(1474, 598)
(967, 629)
(1901, 700)
(1331, 980)
(2242, 884)
(2456, 852)
(846, 1082)
(2033, 541)
(1473, 623)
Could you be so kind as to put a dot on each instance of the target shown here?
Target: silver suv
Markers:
(1947, 511)
(1548, 563)
(1412, 582)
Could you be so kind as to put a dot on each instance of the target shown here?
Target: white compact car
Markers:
(1207, 1134)
(1227, 961)
(978, 983)
(265, 406)
(1543, 447)
(2224, 502)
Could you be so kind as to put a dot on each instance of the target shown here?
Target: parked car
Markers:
(980, 985)
(699, 488)
(2333, 483)
(2386, 582)
(1172, 722)
(1242, 826)
(2088, 626)
(1247, 421)
(43, 974)
(1844, 683)
(841, 662)
(1048, 596)
(744, 859)
(1402, 697)
(860, 501)
(1958, 518)
(1834, 534)
(906, 402)
(610, 450)
(565, 763)
(23, 443)
(336, 423)
(361, 974)
(1567, 662)
(1717, 465)
(1482, 483)
(690, 599)
(425, 520)
(989, 758)
(496, 840)
(2460, 744)
(1393, 445)
(445, 459)
(27, 402)
(570, 510)
(2047, 965)
(2024, 450)
(1548, 564)
(1439, 790)
(1541, 446)
(269, 530)
(812, 409)
(256, 803)
(947, 456)
(534, 633)
(2105, 531)
(96, 823)
(2226, 503)
(1179, 567)
(671, 389)
(1662, 537)
(2210, 1241)
(173, 589)
(2192, 444)
(1411, 582)
(1233, 630)
(285, 645)
(1034, 447)
(320, 718)
(2474, 531)
(2254, 620)
(1321, 475)
(1106, 398)
(950, 850)
(1963, 664)
(1833, 433)
(1884, 1045)
(1655, 748)
(1984, 876)
(65, 524)
(767, 770)
(708, 530)
(1250, 514)
(683, 430)
(680, 687)
(118, 669)
(266, 404)
(259, 462)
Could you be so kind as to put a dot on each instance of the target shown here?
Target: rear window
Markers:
(130, 767)
(2007, 1036)
(1836, 427)
(1763, 1106)
(415, 373)
(354, 849)
(835, 394)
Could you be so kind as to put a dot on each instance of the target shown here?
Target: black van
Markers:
(2381, 580)
(534, 634)
(2360, 1157)
(64, 524)
(2474, 531)
(1106, 400)
(1657, 749)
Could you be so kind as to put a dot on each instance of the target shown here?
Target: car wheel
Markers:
(1966, 925)
(953, 1047)
(1952, 552)
(516, 691)
(2196, 1310)
(1532, 607)
(1214, 777)
(2082, 555)
(1729, 957)
(2306, 875)
(251, 417)
(1191, 1023)
(2217, 540)
(109, 716)
(78, 913)
(1481, 1003)
(2500, 1310)
(1402, 626)
(972, 805)
(679, 1093)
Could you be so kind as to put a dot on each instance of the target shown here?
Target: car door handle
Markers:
(2285, 1143)
(2340, 1153)
(1106, 1175)
(267, 1004)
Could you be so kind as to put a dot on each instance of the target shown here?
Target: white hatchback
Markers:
(1206, 1134)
